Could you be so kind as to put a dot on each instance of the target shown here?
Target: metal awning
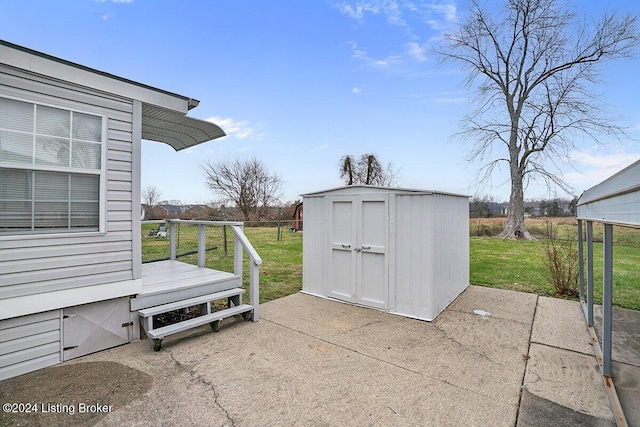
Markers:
(176, 129)
(616, 200)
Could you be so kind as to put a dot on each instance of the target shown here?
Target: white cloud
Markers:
(320, 148)
(392, 9)
(398, 12)
(239, 129)
(357, 11)
(356, 90)
(416, 51)
(617, 160)
(410, 16)
(446, 15)
(373, 62)
(591, 169)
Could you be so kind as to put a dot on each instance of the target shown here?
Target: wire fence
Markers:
(219, 240)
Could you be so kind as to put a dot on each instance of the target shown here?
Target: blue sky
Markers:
(299, 84)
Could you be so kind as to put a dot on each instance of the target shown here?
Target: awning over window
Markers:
(176, 129)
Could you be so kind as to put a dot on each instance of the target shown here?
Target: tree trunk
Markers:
(515, 229)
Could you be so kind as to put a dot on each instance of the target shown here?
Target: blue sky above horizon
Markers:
(299, 84)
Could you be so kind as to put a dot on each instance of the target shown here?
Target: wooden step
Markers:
(165, 282)
(165, 308)
(158, 334)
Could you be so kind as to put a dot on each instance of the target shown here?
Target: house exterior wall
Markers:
(427, 251)
(30, 342)
(41, 272)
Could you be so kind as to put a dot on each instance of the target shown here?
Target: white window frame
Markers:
(101, 172)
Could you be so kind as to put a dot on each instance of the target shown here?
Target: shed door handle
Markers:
(346, 246)
(366, 247)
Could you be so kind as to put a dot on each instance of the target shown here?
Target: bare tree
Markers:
(347, 171)
(534, 64)
(150, 195)
(247, 183)
(367, 170)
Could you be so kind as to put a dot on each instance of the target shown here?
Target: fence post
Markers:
(172, 241)
(254, 290)
(580, 262)
(279, 216)
(237, 256)
(202, 240)
(589, 273)
(224, 240)
(607, 299)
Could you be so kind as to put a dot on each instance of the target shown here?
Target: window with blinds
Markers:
(50, 168)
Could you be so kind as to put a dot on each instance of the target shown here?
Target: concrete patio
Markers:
(492, 358)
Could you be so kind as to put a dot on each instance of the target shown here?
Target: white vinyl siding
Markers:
(30, 342)
(36, 263)
(50, 168)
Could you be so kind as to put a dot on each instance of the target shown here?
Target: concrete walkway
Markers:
(492, 358)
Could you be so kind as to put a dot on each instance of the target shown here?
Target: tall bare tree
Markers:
(247, 183)
(533, 64)
(150, 195)
(367, 170)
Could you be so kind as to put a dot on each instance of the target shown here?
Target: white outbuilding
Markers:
(400, 250)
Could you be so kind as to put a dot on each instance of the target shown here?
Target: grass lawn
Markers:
(281, 269)
(504, 264)
(519, 266)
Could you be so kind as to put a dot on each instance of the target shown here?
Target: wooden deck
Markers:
(164, 282)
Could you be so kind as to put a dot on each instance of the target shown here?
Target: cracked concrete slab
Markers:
(626, 379)
(311, 361)
(282, 376)
(539, 412)
(560, 323)
(570, 379)
(489, 302)
(625, 352)
(625, 345)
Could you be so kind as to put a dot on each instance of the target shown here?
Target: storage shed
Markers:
(399, 250)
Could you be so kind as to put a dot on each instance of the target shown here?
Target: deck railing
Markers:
(241, 245)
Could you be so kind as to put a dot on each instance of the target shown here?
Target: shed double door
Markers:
(358, 250)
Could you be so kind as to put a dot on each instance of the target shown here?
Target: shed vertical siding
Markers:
(314, 244)
(413, 228)
(450, 249)
(36, 264)
(427, 247)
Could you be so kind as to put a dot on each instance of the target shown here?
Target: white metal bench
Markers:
(235, 306)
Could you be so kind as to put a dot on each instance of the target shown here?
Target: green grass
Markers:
(504, 264)
(281, 269)
(519, 265)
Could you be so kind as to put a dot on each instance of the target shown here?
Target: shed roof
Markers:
(615, 200)
(164, 116)
(372, 189)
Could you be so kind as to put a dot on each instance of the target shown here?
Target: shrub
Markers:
(561, 258)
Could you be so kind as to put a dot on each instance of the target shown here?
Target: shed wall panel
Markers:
(314, 245)
(414, 243)
(451, 250)
(33, 264)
